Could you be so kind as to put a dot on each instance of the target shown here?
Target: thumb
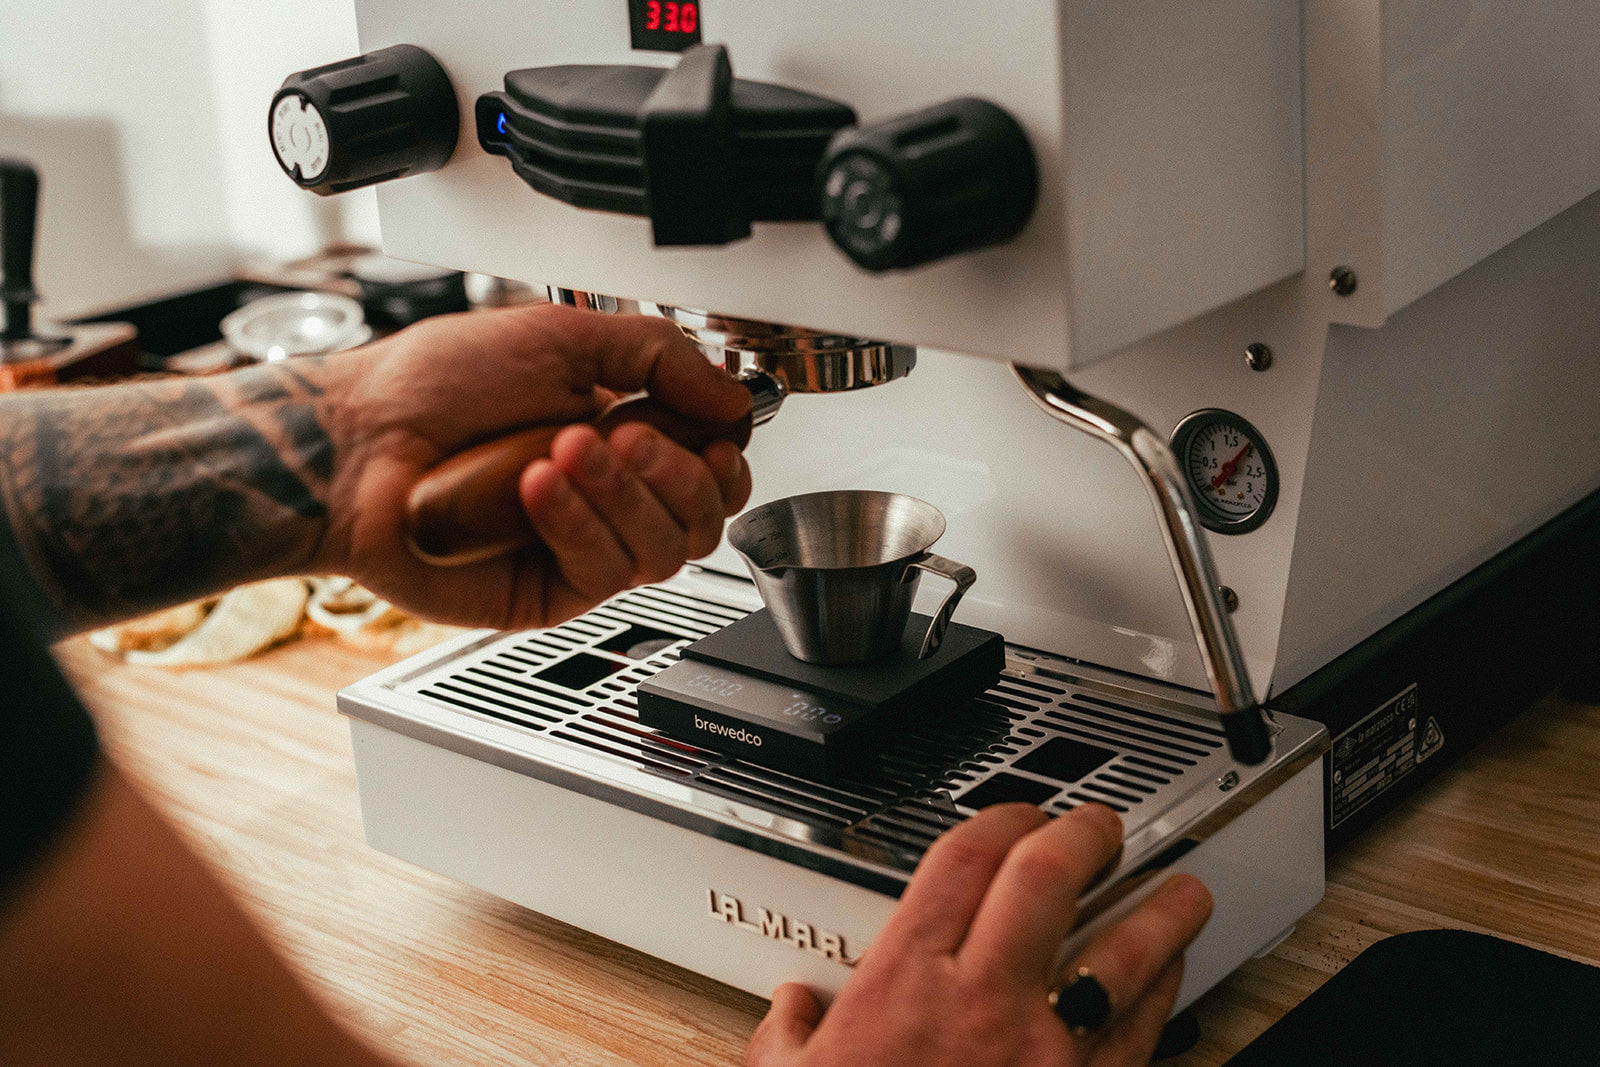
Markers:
(789, 1024)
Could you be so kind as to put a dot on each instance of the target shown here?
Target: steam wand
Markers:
(1243, 720)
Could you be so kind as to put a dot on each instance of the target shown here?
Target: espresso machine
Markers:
(1253, 375)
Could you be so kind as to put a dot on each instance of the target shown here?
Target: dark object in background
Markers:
(395, 293)
(296, 323)
(30, 356)
(182, 332)
(1441, 997)
(19, 216)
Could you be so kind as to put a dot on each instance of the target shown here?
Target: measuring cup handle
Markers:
(963, 576)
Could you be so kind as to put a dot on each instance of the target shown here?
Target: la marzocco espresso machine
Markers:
(1276, 471)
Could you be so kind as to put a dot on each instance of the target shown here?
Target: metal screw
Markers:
(1230, 599)
(1257, 356)
(1342, 280)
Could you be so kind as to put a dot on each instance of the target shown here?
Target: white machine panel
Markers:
(1204, 167)
(1471, 419)
(1167, 136)
(1439, 132)
(701, 903)
(1170, 138)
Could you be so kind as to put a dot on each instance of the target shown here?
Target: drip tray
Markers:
(560, 704)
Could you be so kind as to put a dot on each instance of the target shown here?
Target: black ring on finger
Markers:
(1082, 1003)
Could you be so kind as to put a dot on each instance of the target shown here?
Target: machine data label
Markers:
(1377, 752)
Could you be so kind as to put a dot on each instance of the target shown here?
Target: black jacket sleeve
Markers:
(48, 750)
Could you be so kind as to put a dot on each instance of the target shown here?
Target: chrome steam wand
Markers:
(1243, 719)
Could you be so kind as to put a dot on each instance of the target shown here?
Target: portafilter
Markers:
(468, 508)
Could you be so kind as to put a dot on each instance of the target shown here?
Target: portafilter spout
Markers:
(468, 508)
(1243, 719)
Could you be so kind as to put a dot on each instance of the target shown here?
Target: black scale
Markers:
(739, 691)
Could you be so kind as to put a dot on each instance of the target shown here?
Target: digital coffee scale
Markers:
(740, 690)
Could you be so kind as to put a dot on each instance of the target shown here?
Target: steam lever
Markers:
(1244, 721)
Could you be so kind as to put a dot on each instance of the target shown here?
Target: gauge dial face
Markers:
(1229, 468)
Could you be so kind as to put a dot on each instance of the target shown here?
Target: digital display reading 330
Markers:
(664, 25)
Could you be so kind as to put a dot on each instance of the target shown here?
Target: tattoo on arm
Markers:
(128, 498)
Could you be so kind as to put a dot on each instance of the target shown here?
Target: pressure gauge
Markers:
(1229, 468)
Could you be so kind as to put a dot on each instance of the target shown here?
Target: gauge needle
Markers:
(1229, 467)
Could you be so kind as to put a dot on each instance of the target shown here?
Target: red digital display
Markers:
(671, 17)
(664, 25)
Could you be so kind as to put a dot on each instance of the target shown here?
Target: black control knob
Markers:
(950, 178)
(361, 121)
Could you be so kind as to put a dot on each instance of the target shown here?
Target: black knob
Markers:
(950, 178)
(365, 120)
(19, 214)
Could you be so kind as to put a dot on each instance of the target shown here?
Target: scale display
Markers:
(779, 726)
(754, 702)
(664, 25)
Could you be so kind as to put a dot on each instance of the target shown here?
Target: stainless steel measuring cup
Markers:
(838, 571)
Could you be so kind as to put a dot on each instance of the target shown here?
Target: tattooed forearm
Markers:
(128, 498)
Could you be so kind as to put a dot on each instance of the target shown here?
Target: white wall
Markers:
(148, 125)
(252, 46)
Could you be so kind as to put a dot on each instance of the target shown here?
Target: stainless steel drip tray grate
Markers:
(562, 699)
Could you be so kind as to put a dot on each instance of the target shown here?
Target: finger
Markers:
(789, 1024)
(1128, 958)
(591, 559)
(732, 472)
(454, 379)
(1131, 1040)
(680, 480)
(633, 352)
(1033, 901)
(937, 906)
(651, 536)
(511, 592)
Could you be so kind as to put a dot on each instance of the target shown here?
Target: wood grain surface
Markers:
(253, 763)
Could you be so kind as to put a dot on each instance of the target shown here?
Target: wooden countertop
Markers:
(253, 763)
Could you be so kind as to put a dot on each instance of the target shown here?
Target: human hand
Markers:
(961, 974)
(610, 513)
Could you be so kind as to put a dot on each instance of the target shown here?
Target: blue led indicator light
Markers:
(500, 123)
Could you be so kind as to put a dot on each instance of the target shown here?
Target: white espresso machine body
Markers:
(1176, 225)
(1366, 234)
